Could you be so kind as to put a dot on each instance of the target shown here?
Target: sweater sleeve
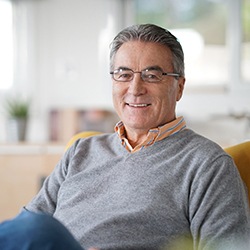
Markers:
(46, 199)
(219, 210)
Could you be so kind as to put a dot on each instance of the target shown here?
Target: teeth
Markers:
(138, 105)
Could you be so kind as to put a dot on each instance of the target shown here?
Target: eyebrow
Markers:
(154, 67)
(123, 68)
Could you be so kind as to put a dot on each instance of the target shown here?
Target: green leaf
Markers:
(17, 108)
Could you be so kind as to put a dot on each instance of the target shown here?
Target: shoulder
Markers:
(107, 142)
(193, 144)
(100, 139)
(208, 160)
(201, 156)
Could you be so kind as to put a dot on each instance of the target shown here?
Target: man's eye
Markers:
(151, 76)
(124, 76)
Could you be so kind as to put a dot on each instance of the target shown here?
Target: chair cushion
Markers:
(241, 156)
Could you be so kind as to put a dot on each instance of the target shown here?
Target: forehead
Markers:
(137, 55)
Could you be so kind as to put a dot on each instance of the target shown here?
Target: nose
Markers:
(137, 85)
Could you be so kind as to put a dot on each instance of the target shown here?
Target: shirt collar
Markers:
(154, 134)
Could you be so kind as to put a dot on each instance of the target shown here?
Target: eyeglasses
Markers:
(147, 75)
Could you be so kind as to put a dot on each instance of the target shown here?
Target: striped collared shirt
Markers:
(154, 135)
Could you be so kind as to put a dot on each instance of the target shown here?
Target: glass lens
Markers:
(123, 75)
(151, 75)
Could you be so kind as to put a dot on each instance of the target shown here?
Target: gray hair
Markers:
(150, 33)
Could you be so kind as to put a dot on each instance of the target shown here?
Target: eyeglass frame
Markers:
(141, 73)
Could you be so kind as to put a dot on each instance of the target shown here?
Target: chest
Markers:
(108, 188)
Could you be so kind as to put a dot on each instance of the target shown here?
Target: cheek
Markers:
(119, 90)
(167, 94)
(166, 99)
(173, 94)
(117, 96)
(114, 96)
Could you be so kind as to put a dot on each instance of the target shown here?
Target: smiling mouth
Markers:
(139, 105)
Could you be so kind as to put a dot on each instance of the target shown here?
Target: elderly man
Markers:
(152, 184)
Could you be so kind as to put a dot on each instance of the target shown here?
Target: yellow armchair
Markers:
(79, 135)
(241, 155)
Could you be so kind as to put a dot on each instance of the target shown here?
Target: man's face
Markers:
(142, 105)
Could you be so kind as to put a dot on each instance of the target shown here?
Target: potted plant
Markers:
(18, 113)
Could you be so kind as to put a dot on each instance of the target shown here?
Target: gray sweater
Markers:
(182, 187)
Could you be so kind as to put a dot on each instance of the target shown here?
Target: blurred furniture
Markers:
(23, 167)
(65, 123)
(241, 155)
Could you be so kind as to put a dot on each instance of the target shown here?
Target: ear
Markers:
(180, 88)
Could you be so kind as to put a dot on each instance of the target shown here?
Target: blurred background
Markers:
(54, 53)
(54, 76)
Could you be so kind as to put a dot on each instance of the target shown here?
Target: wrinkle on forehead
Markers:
(138, 55)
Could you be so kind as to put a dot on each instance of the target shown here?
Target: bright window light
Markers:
(6, 45)
(246, 41)
(200, 27)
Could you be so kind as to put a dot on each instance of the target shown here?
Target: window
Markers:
(203, 28)
(6, 45)
(246, 41)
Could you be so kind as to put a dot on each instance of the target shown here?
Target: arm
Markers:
(219, 211)
(46, 200)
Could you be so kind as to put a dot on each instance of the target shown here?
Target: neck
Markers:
(136, 137)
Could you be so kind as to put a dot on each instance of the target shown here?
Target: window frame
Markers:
(234, 32)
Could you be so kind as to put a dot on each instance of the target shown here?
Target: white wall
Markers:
(72, 51)
(62, 51)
